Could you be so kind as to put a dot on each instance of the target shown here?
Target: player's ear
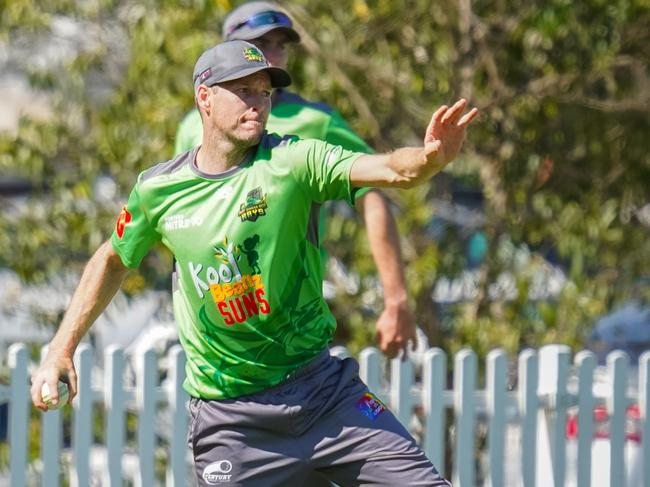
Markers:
(203, 101)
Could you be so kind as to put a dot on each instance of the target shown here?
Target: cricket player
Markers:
(269, 405)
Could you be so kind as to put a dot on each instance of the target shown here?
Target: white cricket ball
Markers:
(64, 395)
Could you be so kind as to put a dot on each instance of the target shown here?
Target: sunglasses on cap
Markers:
(263, 18)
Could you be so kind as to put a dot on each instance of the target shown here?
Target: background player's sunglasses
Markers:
(264, 18)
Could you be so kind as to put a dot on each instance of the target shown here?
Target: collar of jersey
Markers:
(222, 175)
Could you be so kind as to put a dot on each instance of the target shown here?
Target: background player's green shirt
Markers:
(247, 297)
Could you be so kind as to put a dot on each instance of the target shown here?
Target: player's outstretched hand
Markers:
(446, 132)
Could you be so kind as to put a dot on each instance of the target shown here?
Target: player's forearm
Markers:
(385, 247)
(99, 282)
(403, 168)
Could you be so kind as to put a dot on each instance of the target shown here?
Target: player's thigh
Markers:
(227, 454)
(365, 444)
(247, 459)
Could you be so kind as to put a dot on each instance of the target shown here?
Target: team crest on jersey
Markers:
(254, 207)
(252, 54)
(122, 220)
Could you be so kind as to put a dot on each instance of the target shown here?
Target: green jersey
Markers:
(247, 294)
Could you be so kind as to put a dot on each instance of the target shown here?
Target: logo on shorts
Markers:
(122, 220)
(370, 406)
(217, 472)
(254, 207)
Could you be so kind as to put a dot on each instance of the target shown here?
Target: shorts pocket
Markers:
(194, 407)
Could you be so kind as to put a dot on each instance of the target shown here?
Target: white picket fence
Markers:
(548, 384)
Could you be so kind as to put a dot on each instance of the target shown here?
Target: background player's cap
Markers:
(233, 60)
(254, 19)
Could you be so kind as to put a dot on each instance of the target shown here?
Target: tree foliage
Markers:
(560, 152)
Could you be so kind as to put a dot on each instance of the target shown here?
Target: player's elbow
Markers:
(109, 258)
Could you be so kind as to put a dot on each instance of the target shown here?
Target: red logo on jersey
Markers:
(122, 220)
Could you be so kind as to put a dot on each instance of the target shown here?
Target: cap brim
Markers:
(279, 77)
(249, 34)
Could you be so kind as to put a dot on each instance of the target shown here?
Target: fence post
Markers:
(370, 371)
(551, 444)
(496, 409)
(464, 404)
(586, 363)
(114, 399)
(617, 365)
(177, 399)
(82, 436)
(528, 406)
(19, 408)
(433, 388)
(146, 381)
(51, 439)
(644, 407)
(400, 387)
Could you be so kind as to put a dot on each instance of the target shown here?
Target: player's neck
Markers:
(217, 156)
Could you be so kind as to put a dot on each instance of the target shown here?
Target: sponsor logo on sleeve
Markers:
(122, 220)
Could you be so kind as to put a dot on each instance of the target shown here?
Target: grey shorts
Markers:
(321, 425)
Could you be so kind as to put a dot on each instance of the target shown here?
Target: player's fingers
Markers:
(390, 348)
(438, 114)
(455, 111)
(71, 380)
(54, 392)
(381, 342)
(404, 352)
(435, 120)
(35, 392)
(409, 339)
(468, 117)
